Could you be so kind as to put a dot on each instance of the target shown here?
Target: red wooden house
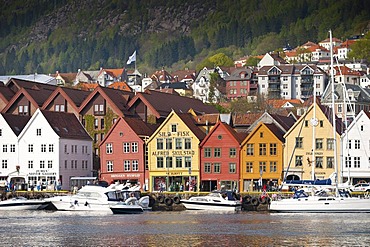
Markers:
(122, 152)
(220, 158)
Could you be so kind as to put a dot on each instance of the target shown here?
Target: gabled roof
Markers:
(162, 75)
(115, 73)
(164, 103)
(66, 125)
(187, 74)
(74, 97)
(16, 122)
(344, 70)
(118, 99)
(210, 119)
(18, 83)
(120, 85)
(245, 119)
(137, 125)
(6, 93)
(87, 86)
(278, 103)
(67, 77)
(36, 97)
(238, 137)
(276, 131)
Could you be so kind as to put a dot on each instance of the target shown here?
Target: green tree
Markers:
(361, 48)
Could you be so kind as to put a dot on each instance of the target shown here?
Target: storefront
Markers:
(174, 182)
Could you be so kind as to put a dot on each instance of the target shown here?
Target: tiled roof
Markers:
(68, 77)
(344, 70)
(277, 131)
(162, 75)
(30, 85)
(187, 74)
(278, 103)
(245, 118)
(210, 119)
(284, 121)
(164, 103)
(113, 72)
(66, 125)
(239, 136)
(76, 95)
(6, 92)
(16, 122)
(140, 127)
(121, 85)
(191, 124)
(87, 86)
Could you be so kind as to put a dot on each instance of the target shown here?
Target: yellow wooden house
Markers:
(173, 154)
(309, 145)
(262, 157)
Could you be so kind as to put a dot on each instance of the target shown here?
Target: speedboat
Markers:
(216, 200)
(88, 198)
(22, 203)
(132, 205)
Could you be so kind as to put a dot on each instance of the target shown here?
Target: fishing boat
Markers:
(338, 201)
(22, 203)
(216, 200)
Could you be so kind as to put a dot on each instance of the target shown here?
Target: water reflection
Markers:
(186, 228)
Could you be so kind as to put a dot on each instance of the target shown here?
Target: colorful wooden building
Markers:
(173, 154)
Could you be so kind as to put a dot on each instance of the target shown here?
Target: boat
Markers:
(216, 200)
(22, 203)
(131, 205)
(340, 201)
(92, 198)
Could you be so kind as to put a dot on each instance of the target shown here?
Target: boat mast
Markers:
(333, 111)
(313, 123)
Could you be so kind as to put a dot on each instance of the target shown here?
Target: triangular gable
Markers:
(218, 125)
(254, 130)
(273, 68)
(55, 94)
(18, 95)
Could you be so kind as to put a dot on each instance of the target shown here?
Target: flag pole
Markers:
(135, 68)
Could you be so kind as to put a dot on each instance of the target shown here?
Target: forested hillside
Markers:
(66, 35)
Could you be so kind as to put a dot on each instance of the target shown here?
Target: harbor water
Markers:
(184, 228)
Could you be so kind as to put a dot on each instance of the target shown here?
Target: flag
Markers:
(132, 58)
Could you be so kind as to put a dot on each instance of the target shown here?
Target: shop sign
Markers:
(124, 175)
(42, 173)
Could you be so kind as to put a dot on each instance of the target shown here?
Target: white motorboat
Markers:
(216, 200)
(132, 205)
(22, 203)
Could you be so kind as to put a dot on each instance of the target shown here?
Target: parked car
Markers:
(361, 187)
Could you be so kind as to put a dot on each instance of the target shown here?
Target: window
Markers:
(357, 144)
(349, 144)
(319, 145)
(232, 168)
(173, 127)
(273, 148)
(216, 167)
(102, 123)
(126, 147)
(51, 148)
(42, 164)
(159, 162)
(38, 132)
(43, 148)
(134, 147)
(273, 166)
(187, 162)
(99, 109)
(96, 123)
(250, 149)
(1, 132)
(217, 152)
(262, 149)
(178, 162)
(187, 143)
(298, 160)
(65, 164)
(126, 165)
(178, 143)
(109, 148)
(319, 161)
(348, 162)
(4, 164)
(96, 137)
(109, 166)
(50, 164)
(321, 123)
(135, 165)
(207, 167)
(249, 167)
(262, 166)
(330, 162)
(299, 142)
(12, 148)
(232, 152)
(306, 123)
(159, 143)
(30, 164)
(207, 152)
(23, 110)
(5, 148)
(330, 144)
(102, 136)
(261, 134)
(356, 162)
(168, 143)
(168, 162)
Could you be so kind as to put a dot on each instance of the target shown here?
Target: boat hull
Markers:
(127, 209)
(321, 205)
(10, 205)
(66, 203)
(191, 205)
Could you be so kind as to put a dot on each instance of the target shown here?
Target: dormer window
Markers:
(60, 108)
(23, 110)
(99, 109)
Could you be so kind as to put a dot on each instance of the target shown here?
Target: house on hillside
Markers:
(242, 83)
(65, 79)
(206, 91)
(90, 77)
